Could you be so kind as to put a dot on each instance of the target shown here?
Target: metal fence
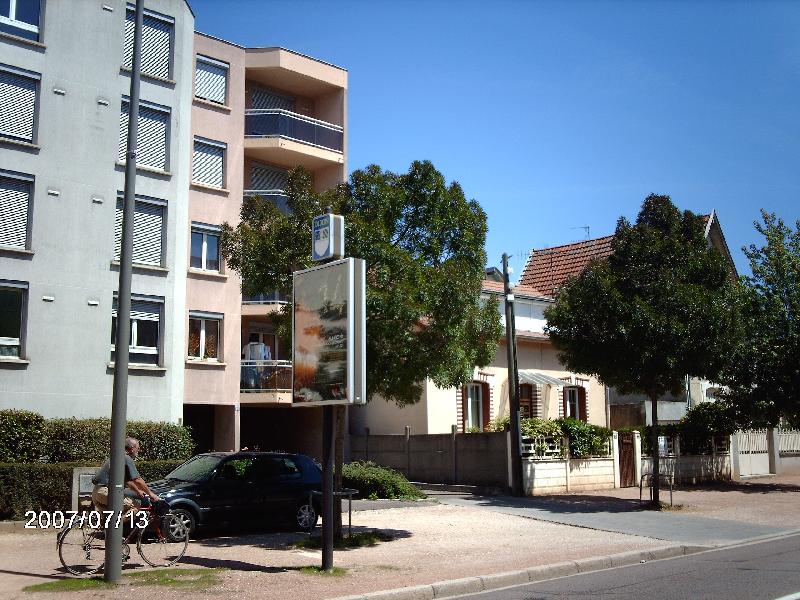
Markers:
(789, 442)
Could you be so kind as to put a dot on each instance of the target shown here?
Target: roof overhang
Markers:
(535, 378)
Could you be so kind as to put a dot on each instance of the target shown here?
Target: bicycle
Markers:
(161, 541)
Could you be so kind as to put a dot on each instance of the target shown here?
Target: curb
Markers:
(483, 583)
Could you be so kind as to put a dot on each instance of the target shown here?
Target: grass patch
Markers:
(192, 579)
(70, 585)
(357, 540)
(311, 570)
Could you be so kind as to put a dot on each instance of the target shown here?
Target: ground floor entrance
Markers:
(214, 427)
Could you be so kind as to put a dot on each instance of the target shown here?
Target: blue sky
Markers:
(556, 116)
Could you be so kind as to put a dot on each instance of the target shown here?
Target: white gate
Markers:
(753, 452)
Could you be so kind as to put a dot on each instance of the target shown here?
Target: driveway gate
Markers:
(753, 452)
(627, 466)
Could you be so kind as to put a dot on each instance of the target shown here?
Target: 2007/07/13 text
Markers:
(71, 518)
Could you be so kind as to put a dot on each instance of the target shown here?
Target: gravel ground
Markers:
(432, 543)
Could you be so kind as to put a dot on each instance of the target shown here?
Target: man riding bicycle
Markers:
(136, 490)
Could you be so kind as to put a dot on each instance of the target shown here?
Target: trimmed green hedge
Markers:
(48, 487)
(21, 435)
(585, 439)
(373, 481)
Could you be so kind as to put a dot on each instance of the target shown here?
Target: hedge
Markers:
(48, 487)
(373, 481)
(27, 436)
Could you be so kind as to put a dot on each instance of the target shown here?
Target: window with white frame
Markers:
(18, 90)
(148, 230)
(572, 403)
(15, 205)
(211, 79)
(205, 247)
(145, 338)
(21, 18)
(152, 140)
(204, 335)
(157, 39)
(208, 162)
(13, 295)
(474, 416)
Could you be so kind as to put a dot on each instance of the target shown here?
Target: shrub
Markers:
(21, 435)
(534, 427)
(585, 440)
(89, 439)
(48, 487)
(500, 424)
(376, 481)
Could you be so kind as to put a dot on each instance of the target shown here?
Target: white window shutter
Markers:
(207, 164)
(141, 310)
(264, 99)
(210, 81)
(156, 40)
(14, 198)
(265, 178)
(148, 221)
(17, 105)
(152, 138)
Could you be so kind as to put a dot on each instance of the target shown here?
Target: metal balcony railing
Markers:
(279, 122)
(277, 197)
(265, 376)
(275, 297)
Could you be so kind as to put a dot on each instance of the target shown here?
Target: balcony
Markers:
(289, 139)
(265, 382)
(277, 197)
(263, 304)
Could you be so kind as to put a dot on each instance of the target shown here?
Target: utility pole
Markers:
(119, 403)
(513, 385)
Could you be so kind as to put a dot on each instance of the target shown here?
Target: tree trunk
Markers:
(656, 480)
(341, 413)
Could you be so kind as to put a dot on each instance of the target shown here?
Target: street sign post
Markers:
(327, 238)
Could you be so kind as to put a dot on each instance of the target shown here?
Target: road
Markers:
(763, 570)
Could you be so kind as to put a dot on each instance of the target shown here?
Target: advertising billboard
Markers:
(329, 334)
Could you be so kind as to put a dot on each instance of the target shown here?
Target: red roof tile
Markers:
(549, 268)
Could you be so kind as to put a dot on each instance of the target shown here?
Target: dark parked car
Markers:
(243, 487)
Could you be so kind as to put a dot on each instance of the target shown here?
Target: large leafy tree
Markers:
(658, 309)
(423, 243)
(764, 378)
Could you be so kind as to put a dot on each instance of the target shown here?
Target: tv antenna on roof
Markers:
(585, 228)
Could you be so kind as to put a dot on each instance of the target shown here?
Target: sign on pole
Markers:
(329, 334)
(327, 237)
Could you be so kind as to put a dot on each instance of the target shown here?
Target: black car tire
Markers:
(305, 516)
(187, 516)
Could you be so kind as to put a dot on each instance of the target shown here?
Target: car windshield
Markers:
(195, 469)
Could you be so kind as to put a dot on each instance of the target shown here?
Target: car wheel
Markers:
(186, 517)
(305, 516)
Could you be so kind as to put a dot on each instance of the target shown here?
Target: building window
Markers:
(152, 139)
(145, 339)
(211, 80)
(267, 99)
(204, 336)
(208, 162)
(12, 310)
(525, 401)
(474, 415)
(157, 33)
(148, 230)
(575, 404)
(205, 247)
(18, 89)
(15, 206)
(21, 18)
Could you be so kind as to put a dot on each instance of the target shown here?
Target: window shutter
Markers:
(141, 310)
(563, 402)
(14, 198)
(486, 406)
(148, 222)
(464, 409)
(263, 177)
(207, 164)
(264, 99)
(210, 81)
(583, 409)
(156, 39)
(17, 105)
(152, 138)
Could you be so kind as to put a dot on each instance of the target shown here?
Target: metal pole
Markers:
(119, 403)
(656, 477)
(513, 385)
(328, 453)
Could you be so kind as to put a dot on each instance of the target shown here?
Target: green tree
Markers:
(764, 378)
(658, 309)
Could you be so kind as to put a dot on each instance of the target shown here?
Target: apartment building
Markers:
(217, 121)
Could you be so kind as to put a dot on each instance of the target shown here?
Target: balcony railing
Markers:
(279, 122)
(275, 297)
(277, 197)
(265, 376)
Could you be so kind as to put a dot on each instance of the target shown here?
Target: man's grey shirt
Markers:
(131, 472)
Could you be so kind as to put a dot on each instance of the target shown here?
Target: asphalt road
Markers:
(765, 570)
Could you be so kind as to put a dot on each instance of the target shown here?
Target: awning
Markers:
(536, 378)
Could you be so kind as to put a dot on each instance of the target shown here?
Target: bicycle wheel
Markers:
(164, 541)
(82, 550)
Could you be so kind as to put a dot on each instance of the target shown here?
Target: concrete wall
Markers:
(790, 465)
(691, 469)
(542, 477)
(68, 339)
